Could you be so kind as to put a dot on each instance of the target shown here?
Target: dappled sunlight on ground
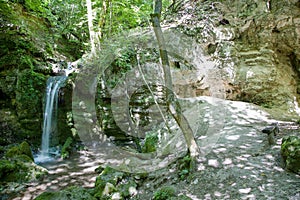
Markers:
(237, 161)
(244, 162)
(78, 170)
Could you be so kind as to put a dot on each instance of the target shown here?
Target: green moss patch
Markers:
(73, 192)
(290, 151)
(18, 166)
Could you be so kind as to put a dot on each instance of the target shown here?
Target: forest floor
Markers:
(244, 168)
(78, 170)
(240, 165)
(236, 162)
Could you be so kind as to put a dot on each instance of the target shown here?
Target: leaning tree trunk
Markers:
(172, 103)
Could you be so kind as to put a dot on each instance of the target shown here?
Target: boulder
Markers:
(22, 149)
(18, 165)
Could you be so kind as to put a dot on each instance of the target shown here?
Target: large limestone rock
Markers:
(255, 46)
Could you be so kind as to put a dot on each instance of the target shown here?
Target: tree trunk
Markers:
(172, 103)
(102, 20)
(90, 25)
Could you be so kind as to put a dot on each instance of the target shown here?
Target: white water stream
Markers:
(50, 115)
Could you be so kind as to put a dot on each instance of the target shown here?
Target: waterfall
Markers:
(50, 115)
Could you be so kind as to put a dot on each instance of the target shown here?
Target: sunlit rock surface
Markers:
(255, 46)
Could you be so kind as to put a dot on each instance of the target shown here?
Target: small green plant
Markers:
(164, 193)
(184, 167)
(66, 149)
(150, 143)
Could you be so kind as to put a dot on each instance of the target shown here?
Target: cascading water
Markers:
(50, 115)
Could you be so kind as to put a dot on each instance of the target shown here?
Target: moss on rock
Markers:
(21, 150)
(111, 182)
(26, 150)
(18, 166)
(9, 127)
(164, 193)
(29, 94)
(73, 192)
(290, 151)
(20, 170)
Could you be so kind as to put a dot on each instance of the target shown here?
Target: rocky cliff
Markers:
(30, 46)
(255, 45)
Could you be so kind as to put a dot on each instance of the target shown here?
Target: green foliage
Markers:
(67, 148)
(29, 91)
(120, 181)
(73, 192)
(164, 193)
(123, 62)
(6, 167)
(124, 15)
(151, 141)
(34, 5)
(25, 62)
(290, 151)
(184, 167)
(70, 24)
(108, 175)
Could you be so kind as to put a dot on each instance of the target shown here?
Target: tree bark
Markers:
(90, 25)
(172, 103)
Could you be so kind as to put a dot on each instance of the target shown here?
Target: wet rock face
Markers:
(255, 46)
(30, 47)
(290, 151)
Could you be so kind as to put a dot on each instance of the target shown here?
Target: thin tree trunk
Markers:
(90, 25)
(110, 16)
(102, 21)
(172, 103)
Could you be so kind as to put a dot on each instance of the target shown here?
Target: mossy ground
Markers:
(17, 165)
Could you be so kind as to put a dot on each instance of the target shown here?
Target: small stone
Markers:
(227, 161)
(108, 189)
(213, 163)
(196, 181)
(217, 194)
(245, 191)
(132, 191)
(116, 196)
